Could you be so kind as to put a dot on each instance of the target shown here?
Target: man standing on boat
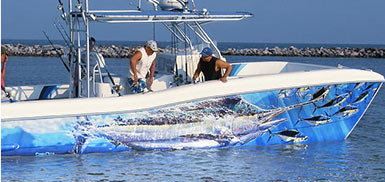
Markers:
(211, 67)
(96, 64)
(141, 62)
(4, 58)
(95, 57)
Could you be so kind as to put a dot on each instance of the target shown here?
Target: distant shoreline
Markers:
(113, 51)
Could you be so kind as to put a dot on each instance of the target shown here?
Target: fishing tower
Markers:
(180, 17)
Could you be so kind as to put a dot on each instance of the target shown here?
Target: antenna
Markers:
(139, 5)
(193, 5)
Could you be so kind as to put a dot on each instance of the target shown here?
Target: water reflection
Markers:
(333, 161)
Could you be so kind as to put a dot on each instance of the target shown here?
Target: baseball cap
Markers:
(152, 45)
(206, 52)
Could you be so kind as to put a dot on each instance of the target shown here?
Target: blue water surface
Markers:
(360, 158)
(333, 161)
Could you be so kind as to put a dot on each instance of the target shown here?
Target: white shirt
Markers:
(143, 65)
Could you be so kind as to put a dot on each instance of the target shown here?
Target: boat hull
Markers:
(286, 116)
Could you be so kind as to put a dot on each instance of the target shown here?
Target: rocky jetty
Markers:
(309, 52)
(125, 52)
(56, 50)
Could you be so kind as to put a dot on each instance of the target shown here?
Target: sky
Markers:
(274, 21)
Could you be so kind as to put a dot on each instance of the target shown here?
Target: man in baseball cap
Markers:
(152, 45)
(211, 67)
(206, 52)
(141, 62)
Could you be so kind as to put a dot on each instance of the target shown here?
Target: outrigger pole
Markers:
(60, 54)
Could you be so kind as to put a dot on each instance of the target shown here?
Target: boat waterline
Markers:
(286, 116)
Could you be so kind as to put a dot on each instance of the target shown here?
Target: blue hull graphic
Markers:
(298, 115)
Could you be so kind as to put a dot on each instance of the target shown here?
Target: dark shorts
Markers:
(137, 88)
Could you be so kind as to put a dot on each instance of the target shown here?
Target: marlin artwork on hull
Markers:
(249, 119)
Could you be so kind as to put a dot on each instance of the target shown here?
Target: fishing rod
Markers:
(68, 37)
(79, 6)
(61, 8)
(60, 54)
(116, 87)
(67, 41)
(71, 45)
(61, 33)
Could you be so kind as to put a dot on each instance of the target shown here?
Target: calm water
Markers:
(360, 158)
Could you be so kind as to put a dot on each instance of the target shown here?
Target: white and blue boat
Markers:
(263, 103)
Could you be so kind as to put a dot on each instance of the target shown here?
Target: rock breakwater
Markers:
(125, 52)
(56, 50)
(309, 52)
